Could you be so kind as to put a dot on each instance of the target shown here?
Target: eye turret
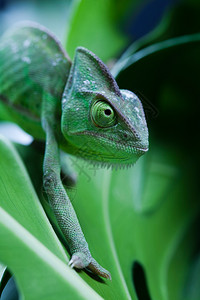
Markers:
(102, 114)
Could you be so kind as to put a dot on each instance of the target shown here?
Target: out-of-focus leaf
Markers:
(10, 291)
(176, 21)
(141, 219)
(95, 25)
(2, 269)
(192, 289)
(165, 76)
(5, 276)
(125, 62)
(167, 80)
(172, 25)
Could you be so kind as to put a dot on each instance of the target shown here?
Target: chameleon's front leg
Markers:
(63, 209)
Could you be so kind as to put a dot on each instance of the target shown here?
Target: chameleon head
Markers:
(100, 122)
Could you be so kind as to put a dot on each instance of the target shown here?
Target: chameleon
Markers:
(73, 106)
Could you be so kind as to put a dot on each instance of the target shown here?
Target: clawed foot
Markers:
(80, 261)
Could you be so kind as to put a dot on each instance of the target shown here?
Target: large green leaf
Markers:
(29, 246)
(47, 273)
(123, 224)
(18, 198)
(89, 208)
(95, 25)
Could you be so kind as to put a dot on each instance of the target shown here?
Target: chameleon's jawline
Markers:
(143, 150)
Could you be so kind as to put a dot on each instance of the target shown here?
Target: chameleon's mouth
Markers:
(143, 150)
(111, 152)
(112, 140)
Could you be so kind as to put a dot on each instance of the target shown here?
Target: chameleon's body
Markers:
(77, 107)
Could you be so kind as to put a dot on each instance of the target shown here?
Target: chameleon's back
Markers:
(32, 63)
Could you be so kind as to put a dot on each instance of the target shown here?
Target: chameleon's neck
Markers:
(64, 144)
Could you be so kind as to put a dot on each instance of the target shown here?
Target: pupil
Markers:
(107, 112)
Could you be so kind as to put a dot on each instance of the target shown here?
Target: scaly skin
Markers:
(76, 107)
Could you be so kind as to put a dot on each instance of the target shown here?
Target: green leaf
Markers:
(150, 223)
(171, 26)
(94, 25)
(41, 268)
(18, 198)
(128, 60)
(90, 203)
(30, 247)
(2, 270)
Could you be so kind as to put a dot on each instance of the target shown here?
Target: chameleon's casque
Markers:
(77, 107)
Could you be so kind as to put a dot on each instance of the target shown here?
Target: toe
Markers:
(79, 260)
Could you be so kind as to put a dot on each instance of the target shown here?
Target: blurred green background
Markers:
(141, 223)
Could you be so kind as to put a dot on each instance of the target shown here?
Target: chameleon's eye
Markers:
(102, 114)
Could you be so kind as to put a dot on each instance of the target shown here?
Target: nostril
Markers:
(125, 135)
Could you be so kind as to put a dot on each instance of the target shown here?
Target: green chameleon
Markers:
(74, 106)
